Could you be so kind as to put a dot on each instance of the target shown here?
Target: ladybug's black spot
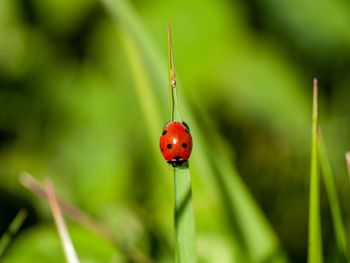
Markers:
(162, 149)
(169, 146)
(164, 132)
(187, 131)
(184, 145)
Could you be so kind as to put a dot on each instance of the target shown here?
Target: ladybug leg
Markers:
(185, 124)
(178, 163)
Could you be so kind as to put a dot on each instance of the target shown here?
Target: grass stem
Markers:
(184, 220)
(185, 251)
(69, 251)
(315, 235)
(175, 110)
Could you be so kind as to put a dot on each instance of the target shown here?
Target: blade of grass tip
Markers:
(347, 156)
(339, 230)
(174, 105)
(13, 228)
(315, 236)
(84, 220)
(185, 251)
(68, 248)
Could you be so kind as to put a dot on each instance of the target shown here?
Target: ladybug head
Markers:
(176, 142)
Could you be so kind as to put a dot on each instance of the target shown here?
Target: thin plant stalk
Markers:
(67, 244)
(174, 105)
(315, 236)
(13, 228)
(185, 251)
(339, 230)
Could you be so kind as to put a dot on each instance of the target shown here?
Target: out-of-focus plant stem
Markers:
(67, 244)
(339, 230)
(12, 230)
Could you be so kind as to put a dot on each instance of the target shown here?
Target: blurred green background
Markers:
(84, 97)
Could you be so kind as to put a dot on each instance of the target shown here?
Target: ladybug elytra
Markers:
(176, 142)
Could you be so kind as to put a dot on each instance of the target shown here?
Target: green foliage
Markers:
(83, 97)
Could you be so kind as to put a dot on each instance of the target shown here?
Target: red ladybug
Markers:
(176, 142)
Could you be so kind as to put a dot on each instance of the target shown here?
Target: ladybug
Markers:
(176, 142)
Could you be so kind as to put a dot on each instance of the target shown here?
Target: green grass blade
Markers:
(143, 89)
(254, 237)
(12, 230)
(124, 15)
(338, 225)
(184, 220)
(315, 235)
(185, 251)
